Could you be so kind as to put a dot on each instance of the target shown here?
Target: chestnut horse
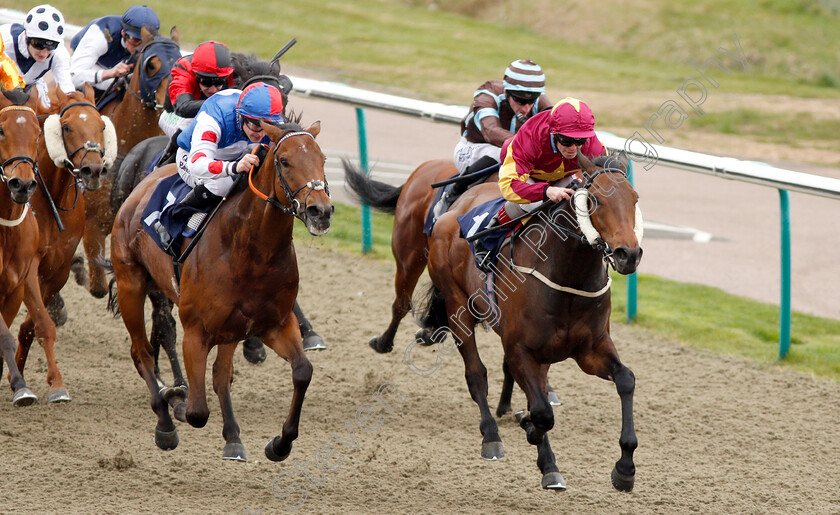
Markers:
(19, 134)
(135, 118)
(77, 147)
(553, 302)
(241, 280)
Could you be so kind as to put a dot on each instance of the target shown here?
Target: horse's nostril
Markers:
(314, 211)
(15, 184)
(31, 185)
(85, 171)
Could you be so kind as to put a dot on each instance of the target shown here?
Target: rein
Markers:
(294, 208)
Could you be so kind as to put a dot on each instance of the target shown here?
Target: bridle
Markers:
(88, 146)
(295, 208)
(15, 161)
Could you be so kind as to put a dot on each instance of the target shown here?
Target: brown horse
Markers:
(19, 134)
(135, 118)
(553, 303)
(77, 147)
(241, 280)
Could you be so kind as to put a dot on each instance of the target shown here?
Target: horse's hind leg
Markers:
(222, 375)
(603, 362)
(164, 335)
(131, 294)
(411, 261)
(286, 342)
(507, 391)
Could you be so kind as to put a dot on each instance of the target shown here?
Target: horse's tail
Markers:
(113, 304)
(376, 194)
(432, 309)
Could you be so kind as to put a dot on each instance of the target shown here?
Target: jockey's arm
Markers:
(186, 106)
(202, 160)
(492, 130)
(514, 174)
(181, 89)
(61, 70)
(83, 65)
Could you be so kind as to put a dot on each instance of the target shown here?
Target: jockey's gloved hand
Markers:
(247, 161)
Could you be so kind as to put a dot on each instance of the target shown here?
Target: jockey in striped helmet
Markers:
(498, 110)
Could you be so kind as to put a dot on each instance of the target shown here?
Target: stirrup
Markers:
(194, 223)
(442, 205)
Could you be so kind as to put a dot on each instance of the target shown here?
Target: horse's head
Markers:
(299, 172)
(155, 59)
(79, 139)
(608, 213)
(19, 133)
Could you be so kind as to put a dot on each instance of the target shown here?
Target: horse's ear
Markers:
(586, 164)
(314, 129)
(61, 96)
(274, 132)
(174, 35)
(623, 160)
(90, 94)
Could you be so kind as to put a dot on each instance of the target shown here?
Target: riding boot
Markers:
(170, 151)
(482, 253)
(199, 198)
(311, 339)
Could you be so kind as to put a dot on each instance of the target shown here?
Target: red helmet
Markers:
(212, 59)
(573, 118)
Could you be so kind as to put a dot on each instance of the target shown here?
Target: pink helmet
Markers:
(572, 118)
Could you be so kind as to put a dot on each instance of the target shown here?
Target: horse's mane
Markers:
(17, 96)
(619, 160)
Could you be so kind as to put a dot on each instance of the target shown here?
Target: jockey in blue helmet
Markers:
(102, 47)
(216, 146)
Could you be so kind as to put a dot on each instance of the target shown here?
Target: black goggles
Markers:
(252, 124)
(209, 82)
(522, 101)
(568, 142)
(131, 39)
(41, 44)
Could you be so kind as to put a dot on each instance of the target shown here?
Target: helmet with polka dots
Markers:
(44, 22)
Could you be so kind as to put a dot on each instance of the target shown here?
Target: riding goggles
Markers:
(210, 82)
(568, 142)
(41, 44)
(132, 40)
(522, 101)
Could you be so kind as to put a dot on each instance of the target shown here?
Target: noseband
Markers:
(295, 208)
(88, 146)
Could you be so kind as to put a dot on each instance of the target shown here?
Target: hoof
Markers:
(424, 337)
(166, 441)
(380, 348)
(269, 451)
(314, 342)
(553, 399)
(621, 482)
(24, 397)
(99, 293)
(57, 311)
(80, 273)
(172, 393)
(519, 415)
(553, 481)
(179, 411)
(492, 451)
(235, 452)
(253, 350)
(59, 395)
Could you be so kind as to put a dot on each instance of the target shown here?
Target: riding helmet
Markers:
(573, 118)
(260, 101)
(136, 17)
(525, 79)
(44, 22)
(212, 59)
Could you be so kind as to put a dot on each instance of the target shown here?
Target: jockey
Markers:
(499, 109)
(216, 145)
(102, 48)
(540, 161)
(195, 78)
(37, 47)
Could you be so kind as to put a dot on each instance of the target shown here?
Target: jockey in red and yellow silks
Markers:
(10, 76)
(535, 157)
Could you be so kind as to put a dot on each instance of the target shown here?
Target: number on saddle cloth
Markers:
(477, 219)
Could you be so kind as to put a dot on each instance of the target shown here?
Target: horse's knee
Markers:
(543, 417)
(301, 372)
(625, 381)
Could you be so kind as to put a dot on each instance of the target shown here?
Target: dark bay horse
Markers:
(241, 280)
(553, 303)
(135, 118)
(77, 147)
(19, 134)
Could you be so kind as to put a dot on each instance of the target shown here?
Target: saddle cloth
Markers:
(164, 206)
(477, 219)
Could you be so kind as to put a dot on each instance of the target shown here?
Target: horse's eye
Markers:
(2, 133)
(65, 128)
(284, 161)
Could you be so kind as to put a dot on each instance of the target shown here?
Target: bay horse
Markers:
(77, 147)
(135, 118)
(241, 280)
(552, 303)
(19, 134)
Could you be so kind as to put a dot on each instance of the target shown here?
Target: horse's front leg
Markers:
(195, 349)
(99, 217)
(539, 419)
(286, 342)
(39, 325)
(603, 362)
(23, 396)
(222, 376)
